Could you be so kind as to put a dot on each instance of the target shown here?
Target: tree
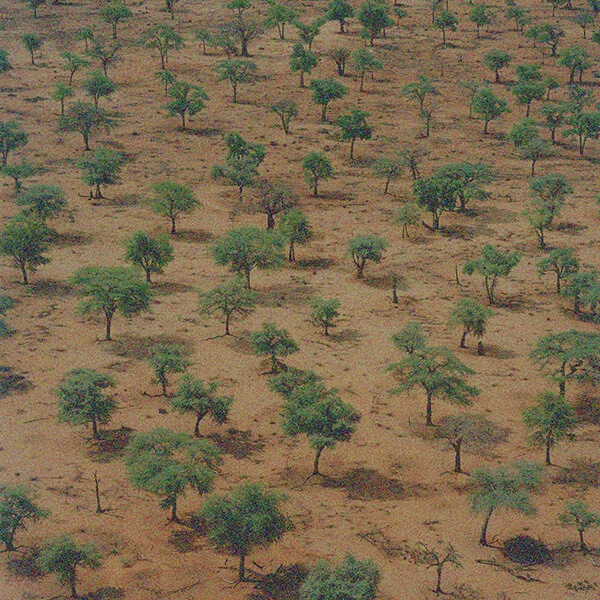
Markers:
(246, 248)
(110, 290)
(248, 517)
(535, 150)
(302, 61)
(24, 240)
(85, 118)
(374, 18)
(504, 488)
(547, 33)
(286, 110)
(107, 53)
(519, 15)
(526, 92)
(411, 338)
(422, 554)
(273, 198)
(86, 35)
(280, 15)
(325, 91)
(187, 99)
(320, 414)
(578, 286)
(469, 432)
(472, 317)
(288, 381)
(61, 92)
(295, 228)
(171, 7)
(555, 114)
(4, 62)
(438, 372)
(167, 359)
(496, 60)
(150, 253)
(63, 555)
(82, 400)
(482, 16)
(488, 105)
(32, 42)
(166, 464)
(239, 32)
(308, 32)
(274, 342)
(576, 59)
(101, 168)
(193, 396)
(419, 90)
(164, 39)
(411, 157)
(20, 171)
(316, 167)
(73, 63)
(17, 506)
(446, 21)
(167, 78)
(340, 56)
(352, 579)
(492, 265)
(230, 299)
(552, 419)
(113, 13)
(325, 312)
(34, 5)
(579, 515)
(365, 248)
(341, 11)
(237, 72)
(11, 138)
(584, 125)
(354, 126)
(437, 195)
(583, 19)
(466, 180)
(389, 168)
(172, 199)
(567, 356)
(42, 201)
(365, 62)
(562, 262)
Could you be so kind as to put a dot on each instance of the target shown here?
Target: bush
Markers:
(527, 551)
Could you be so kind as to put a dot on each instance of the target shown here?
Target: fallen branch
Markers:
(517, 573)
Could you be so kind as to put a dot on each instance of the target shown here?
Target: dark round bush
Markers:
(527, 551)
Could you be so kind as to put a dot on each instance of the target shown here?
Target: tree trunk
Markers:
(485, 126)
(86, 141)
(352, 148)
(360, 269)
(32, 59)
(439, 568)
(463, 338)
(582, 544)
(480, 350)
(497, 76)
(94, 429)
(183, 121)
(323, 113)
(98, 193)
(362, 81)
(99, 509)
(245, 48)
(227, 317)
(24, 274)
(235, 94)
(73, 586)
(387, 185)
(483, 537)
(429, 422)
(562, 384)
(270, 221)
(395, 293)
(273, 363)
(315, 187)
(548, 447)
(301, 78)
(326, 327)
(114, 31)
(248, 279)
(242, 568)
(292, 254)
(162, 61)
(457, 456)
(173, 224)
(108, 324)
(316, 462)
(174, 510)
(199, 418)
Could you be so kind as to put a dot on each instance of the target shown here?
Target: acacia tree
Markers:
(352, 579)
(167, 78)
(340, 11)
(73, 63)
(111, 290)
(286, 110)
(20, 171)
(33, 42)
(481, 15)
(579, 515)
(296, 229)
(419, 90)
(34, 5)
(172, 199)
(248, 517)
(492, 265)
(389, 168)
(230, 299)
(317, 167)
(307, 32)
(150, 253)
(61, 92)
(466, 180)
(576, 59)
(280, 15)
(273, 198)
(374, 18)
(42, 201)
(273, 342)
(471, 433)
(411, 338)
(113, 13)
(472, 317)
(17, 506)
(551, 419)
(562, 262)
(237, 72)
(354, 126)
(107, 53)
(422, 554)
(164, 39)
(12, 137)
(320, 414)
(365, 248)
(365, 62)
(501, 487)
(101, 168)
(246, 248)
(340, 56)
(325, 91)
(83, 401)
(324, 312)
(485, 103)
(167, 359)
(85, 118)
(579, 287)
(187, 100)
(438, 372)
(25, 240)
(437, 195)
(447, 21)
(193, 396)
(63, 555)
(302, 61)
(166, 463)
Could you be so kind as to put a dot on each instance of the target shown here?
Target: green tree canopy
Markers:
(229, 300)
(324, 312)
(286, 110)
(411, 338)
(17, 507)
(167, 359)
(33, 42)
(365, 62)
(365, 248)
(12, 137)
(562, 262)
(42, 201)
(472, 317)
(101, 168)
(173, 199)
(113, 13)
(296, 229)
(151, 253)
(374, 18)
(187, 100)
(317, 167)
(237, 72)
(496, 60)
(354, 126)
(485, 103)
(73, 63)
(272, 198)
(97, 85)
(85, 118)
(579, 515)
(302, 61)
(20, 171)
(273, 342)
(164, 39)
(341, 11)
(325, 91)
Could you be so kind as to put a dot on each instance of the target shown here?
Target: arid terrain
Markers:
(392, 483)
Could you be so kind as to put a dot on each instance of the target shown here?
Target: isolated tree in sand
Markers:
(151, 253)
(110, 290)
(302, 61)
(496, 60)
(86, 119)
(272, 198)
(34, 5)
(101, 168)
(42, 201)
(17, 506)
(273, 342)
(288, 381)
(247, 248)
(340, 11)
(286, 110)
(229, 300)
(390, 169)
(562, 262)
(171, 199)
(485, 103)
(167, 359)
(105, 52)
(33, 42)
(187, 100)
(61, 92)
(324, 312)
(12, 137)
(237, 72)
(316, 168)
(408, 215)
(63, 555)
(411, 338)
(20, 171)
(97, 86)
(579, 286)
(167, 464)
(503, 487)
(472, 317)
(296, 229)
(436, 195)
(320, 414)
(365, 62)
(113, 13)
(202, 400)
(164, 39)
(280, 15)
(579, 515)
(374, 18)
(82, 399)
(325, 91)
(248, 517)
(354, 127)
(365, 248)
(422, 554)
(447, 21)
(167, 78)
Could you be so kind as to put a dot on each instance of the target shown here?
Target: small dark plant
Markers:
(527, 551)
